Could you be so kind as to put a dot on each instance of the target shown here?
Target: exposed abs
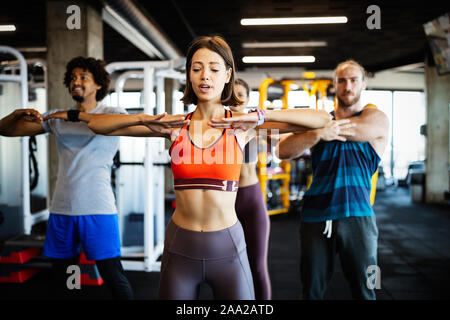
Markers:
(204, 210)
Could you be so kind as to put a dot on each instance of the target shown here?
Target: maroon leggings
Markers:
(251, 211)
(218, 258)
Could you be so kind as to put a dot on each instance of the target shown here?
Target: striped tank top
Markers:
(341, 186)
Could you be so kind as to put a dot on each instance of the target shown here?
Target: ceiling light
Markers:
(278, 59)
(293, 44)
(281, 21)
(7, 27)
(32, 49)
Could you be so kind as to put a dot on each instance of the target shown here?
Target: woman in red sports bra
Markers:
(204, 241)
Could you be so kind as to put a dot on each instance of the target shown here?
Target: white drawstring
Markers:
(328, 227)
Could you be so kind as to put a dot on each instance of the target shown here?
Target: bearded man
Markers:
(345, 155)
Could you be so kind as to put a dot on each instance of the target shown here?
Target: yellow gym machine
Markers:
(265, 175)
(313, 87)
(320, 89)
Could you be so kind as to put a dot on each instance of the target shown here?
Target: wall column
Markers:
(437, 89)
(63, 44)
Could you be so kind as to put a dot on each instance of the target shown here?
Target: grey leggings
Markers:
(354, 239)
(218, 258)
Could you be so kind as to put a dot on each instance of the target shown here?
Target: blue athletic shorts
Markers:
(97, 233)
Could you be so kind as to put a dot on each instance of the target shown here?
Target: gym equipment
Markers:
(16, 273)
(23, 171)
(89, 272)
(145, 204)
(15, 254)
(374, 180)
(17, 263)
(277, 181)
(322, 89)
(128, 167)
(266, 175)
(15, 195)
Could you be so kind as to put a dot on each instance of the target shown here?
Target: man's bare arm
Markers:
(371, 126)
(296, 144)
(21, 122)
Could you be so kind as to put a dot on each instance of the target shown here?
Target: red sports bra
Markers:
(216, 167)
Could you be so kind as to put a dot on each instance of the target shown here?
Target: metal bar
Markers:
(171, 74)
(148, 181)
(25, 194)
(120, 82)
(39, 216)
(153, 204)
(130, 33)
(392, 138)
(10, 77)
(130, 13)
(115, 66)
(133, 265)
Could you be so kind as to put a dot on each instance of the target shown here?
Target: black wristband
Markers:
(72, 115)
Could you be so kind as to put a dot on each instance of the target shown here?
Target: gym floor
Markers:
(413, 256)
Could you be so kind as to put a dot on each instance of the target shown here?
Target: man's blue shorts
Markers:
(97, 233)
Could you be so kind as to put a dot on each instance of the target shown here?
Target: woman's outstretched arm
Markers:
(138, 125)
(306, 118)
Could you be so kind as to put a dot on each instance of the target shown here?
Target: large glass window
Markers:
(132, 99)
(253, 101)
(409, 114)
(300, 98)
(406, 113)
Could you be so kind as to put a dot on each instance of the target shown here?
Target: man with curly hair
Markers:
(83, 207)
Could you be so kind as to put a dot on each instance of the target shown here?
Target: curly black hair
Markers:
(94, 66)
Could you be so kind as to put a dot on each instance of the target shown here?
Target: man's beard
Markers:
(78, 98)
(344, 104)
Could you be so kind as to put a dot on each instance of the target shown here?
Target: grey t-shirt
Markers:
(83, 184)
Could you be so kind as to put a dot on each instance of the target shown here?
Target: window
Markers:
(409, 114)
(406, 112)
(132, 99)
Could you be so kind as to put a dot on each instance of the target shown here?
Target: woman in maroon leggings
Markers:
(251, 207)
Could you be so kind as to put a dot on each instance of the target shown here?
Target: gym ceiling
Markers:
(400, 40)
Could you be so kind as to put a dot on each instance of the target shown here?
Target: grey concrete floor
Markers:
(413, 256)
(413, 252)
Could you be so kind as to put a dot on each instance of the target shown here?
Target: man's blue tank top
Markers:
(342, 173)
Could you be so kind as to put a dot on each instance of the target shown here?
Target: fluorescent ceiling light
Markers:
(7, 27)
(292, 44)
(278, 59)
(32, 49)
(281, 21)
